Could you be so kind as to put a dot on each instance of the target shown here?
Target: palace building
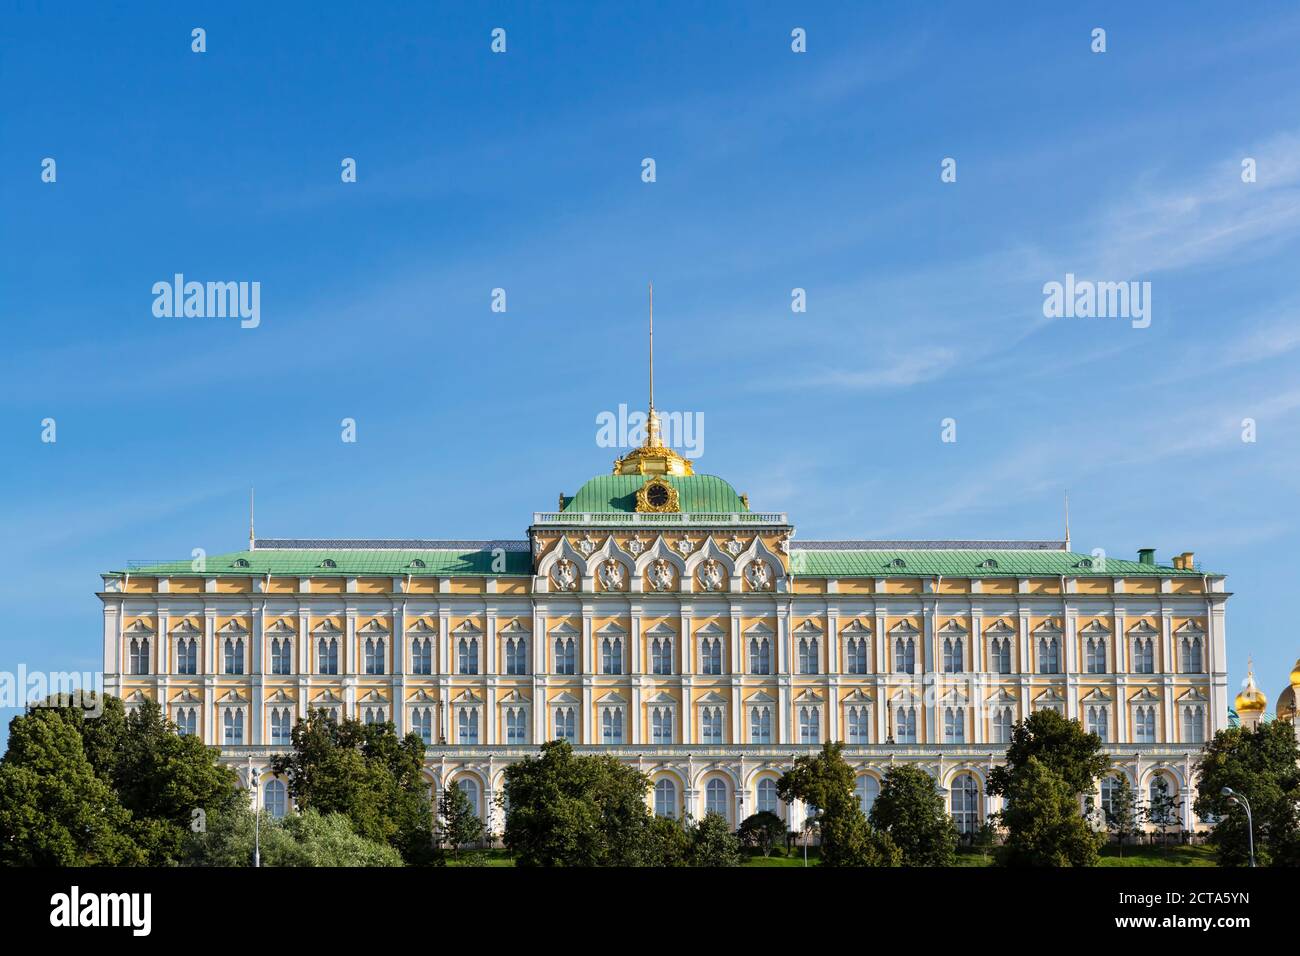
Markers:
(655, 616)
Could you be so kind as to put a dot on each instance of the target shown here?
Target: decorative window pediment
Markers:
(1050, 696)
(326, 628)
(999, 628)
(759, 629)
(327, 697)
(467, 696)
(467, 628)
(711, 629)
(1003, 696)
(138, 628)
(184, 628)
(187, 696)
(954, 696)
(1095, 628)
(235, 696)
(421, 696)
(1189, 629)
(1048, 628)
(858, 696)
(760, 697)
(612, 698)
(563, 629)
(1142, 629)
(856, 628)
(1143, 696)
(954, 627)
(564, 697)
(1095, 696)
(422, 627)
(712, 697)
(513, 629)
(281, 627)
(513, 697)
(663, 697)
(233, 628)
(374, 627)
(280, 697)
(809, 628)
(904, 628)
(1193, 694)
(809, 696)
(374, 697)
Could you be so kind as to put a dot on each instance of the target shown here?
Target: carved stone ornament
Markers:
(711, 575)
(759, 575)
(685, 546)
(735, 546)
(636, 545)
(611, 574)
(565, 575)
(587, 545)
(661, 575)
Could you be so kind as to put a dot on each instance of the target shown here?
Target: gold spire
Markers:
(1251, 699)
(653, 457)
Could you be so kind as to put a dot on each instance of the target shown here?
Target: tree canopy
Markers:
(911, 810)
(825, 781)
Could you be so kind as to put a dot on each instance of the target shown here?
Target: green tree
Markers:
(825, 781)
(761, 831)
(667, 842)
(1043, 822)
(713, 843)
(1261, 765)
(1162, 808)
(911, 810)
(54, 809)
(458, 820)
(985, 838)
(567, 810)
(1058, 744)
(300, 839)
(1123, 815)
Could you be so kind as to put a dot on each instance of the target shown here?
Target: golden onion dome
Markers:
(1295, 674)
(1285, 707)
(1251, 700)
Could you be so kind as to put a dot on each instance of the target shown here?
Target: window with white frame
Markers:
(275, 798)
(711, 655)
(467, 725)
(760, 655)
(469, 787)
(421, 656)
(1193, 724)
(566, 659)
(139, 655)
(187, 656)
(233, 657)
(327, 655)
(232, 725)
(1001, 725)
(281, 725)
(767, 799)
(711, 725)
(281, 655)
(611, 725)
(810, 725)
(422, 724)
(516, 725)
(467, 655)
(666, 799)
(905, 724)
(374, 655)
(866, 788)
(905, 655)
(516, 655)
(859, 724)
(565, 724)
(1192, 655)
(187, 721)
(1144, 724)
(954, 725)
(1000, 654)
(715, 798)
(661, 725)
(966, 803)
(611, 655)
(661, 655)
(954, 660)
(1049, 655)
(1109, 795)
(1144, 655)
(375, 715)
(855, 655)
(1095, 651)
(808, 655)
(760, 725)
(1099, 720)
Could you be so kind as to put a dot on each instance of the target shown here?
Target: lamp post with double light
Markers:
(1236, 797)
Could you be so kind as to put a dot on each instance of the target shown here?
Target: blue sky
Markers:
(522, 171)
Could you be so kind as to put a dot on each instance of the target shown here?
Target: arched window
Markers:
(855, 655)
(422, 723)
(859, 725)
(760, 725)
(715, 798)
(275, 798)
(711, 725)
(711, 656)
(234, 656)
(905, 725)
(1000, 655)
(469, 787)
(953, 655)
(232, 726)
(1144, 656)
(187, 721)
(1144, 725)
(808, 655)
(565, 724)
(467, 655)
(327, 653)
(516, 656)
(374, 655)
(966, 803)
(661, 656)
(661, 725)
(516, 725)
(1109, 791)
(905, 655)
(1002, 721)
(611, 655)
(1193, 724)
(1098, 720)
(281, 656)
(866, 789)
(281, 719)
(187, 656)
(467, 725)
(809, 725)
(666, 799)
(1192, 658)
(954, 725)
(611, 725)
(1049, 655)
(565, 656)
(421, 656)
(1096, 655)
(139, 655)
(760, 656)
(375, 715)
(767, 798)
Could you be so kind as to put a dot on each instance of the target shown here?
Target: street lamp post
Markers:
(257, 815)
(1236, 797)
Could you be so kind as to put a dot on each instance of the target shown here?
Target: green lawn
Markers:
(1133, 856)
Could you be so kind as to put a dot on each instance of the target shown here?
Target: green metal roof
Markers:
(696, 493)
(346, 563)
(832, 563)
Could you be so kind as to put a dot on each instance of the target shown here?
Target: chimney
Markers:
(1146, 555)
(1189, 560)
(1178, 562)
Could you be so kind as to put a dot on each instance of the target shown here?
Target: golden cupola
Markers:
(1295, 674)
(1251, 700)
(653, 457)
